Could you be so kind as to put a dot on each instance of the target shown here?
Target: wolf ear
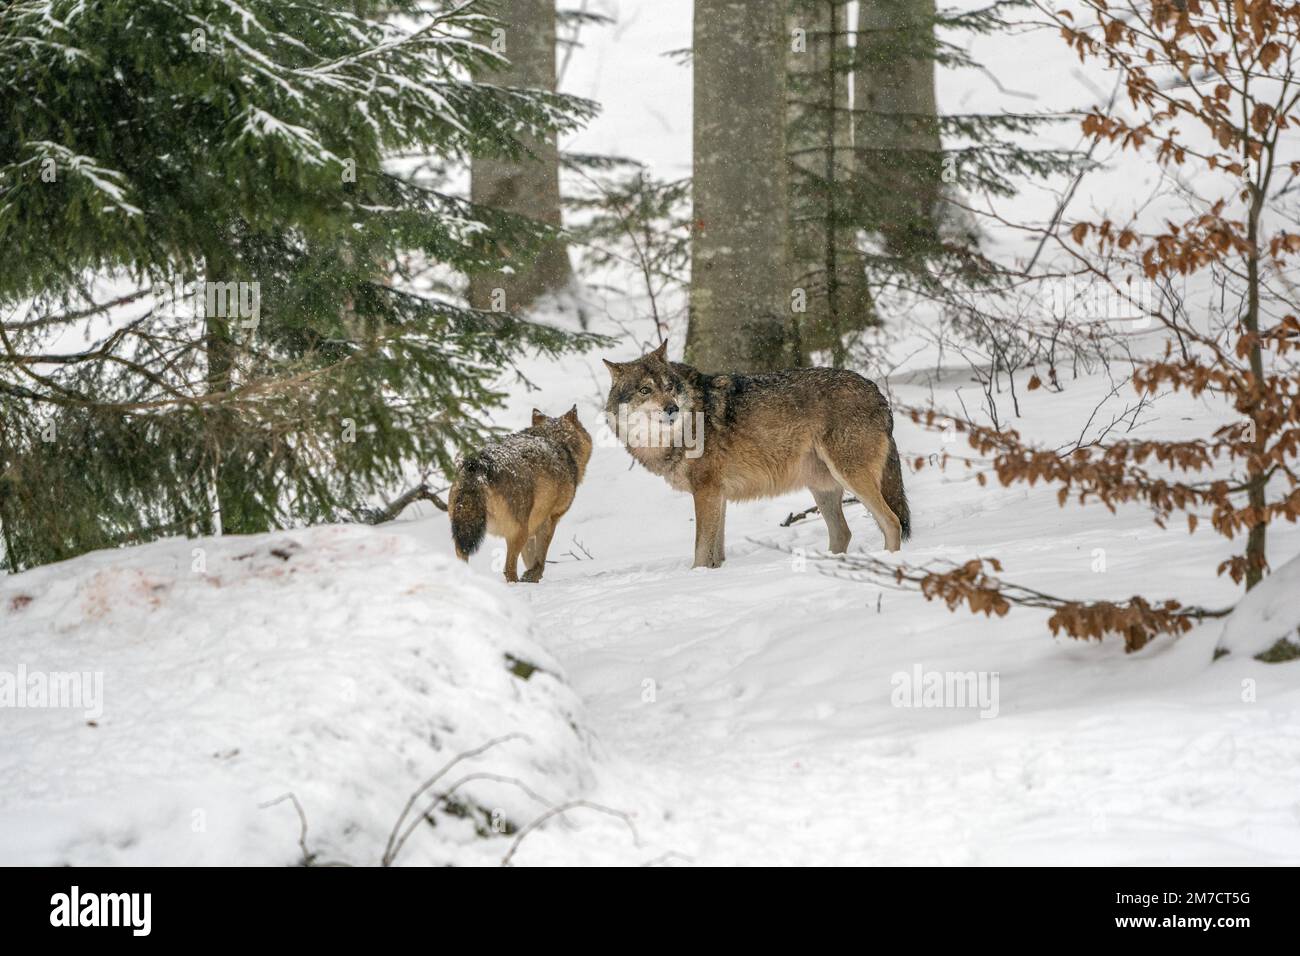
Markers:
(661, 353)
(615, 368)
(538, 417)
(571, 415)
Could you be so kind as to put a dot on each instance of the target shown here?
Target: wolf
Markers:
(763, 435)
(519, 487)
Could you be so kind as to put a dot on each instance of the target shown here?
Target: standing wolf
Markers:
(762, 435)
(519, 487)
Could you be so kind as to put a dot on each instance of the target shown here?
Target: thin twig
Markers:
(564, 808)
(391, 848)
(307, 857)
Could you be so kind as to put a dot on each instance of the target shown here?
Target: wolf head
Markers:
(568, 430)
(648, 387)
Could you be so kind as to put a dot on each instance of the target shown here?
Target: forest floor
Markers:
(753, 714)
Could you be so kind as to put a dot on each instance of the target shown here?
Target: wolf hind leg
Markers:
(515, 543)
(535, 550)
(529, 552)
(831, 505)
(860, 468)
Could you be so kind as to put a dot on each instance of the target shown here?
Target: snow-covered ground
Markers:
(765, 712)
(200, 681)
(752, 714)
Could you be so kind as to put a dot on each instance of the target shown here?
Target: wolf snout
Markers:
(670, 411)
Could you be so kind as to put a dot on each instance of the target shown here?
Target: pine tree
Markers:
(213, 310)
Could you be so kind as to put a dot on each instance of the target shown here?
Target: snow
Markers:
(747, 715)
(344, 665)
(1268, 614)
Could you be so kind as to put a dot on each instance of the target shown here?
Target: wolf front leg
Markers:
(710, 513)
(719, 539)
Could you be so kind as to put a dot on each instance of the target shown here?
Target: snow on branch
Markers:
(301, 141)
(108, 183)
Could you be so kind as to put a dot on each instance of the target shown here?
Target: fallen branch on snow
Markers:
(795, 516)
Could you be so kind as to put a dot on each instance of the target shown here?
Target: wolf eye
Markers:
(645, 389)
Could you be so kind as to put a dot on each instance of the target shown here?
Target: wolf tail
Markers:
(469, 510)
(891, 486)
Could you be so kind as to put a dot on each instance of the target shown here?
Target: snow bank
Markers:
(198, 680)
(1266, 615)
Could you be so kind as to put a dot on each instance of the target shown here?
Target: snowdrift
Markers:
(1268, 617)
(161, 696)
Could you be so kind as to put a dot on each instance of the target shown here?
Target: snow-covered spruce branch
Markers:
(433, 31)
(110, 185)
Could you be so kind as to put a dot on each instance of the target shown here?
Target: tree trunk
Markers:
(740, 310)
(896, 135)
(220, 349)
(529, 187)
(6, 519)
(826, 261)
(1256, 539)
